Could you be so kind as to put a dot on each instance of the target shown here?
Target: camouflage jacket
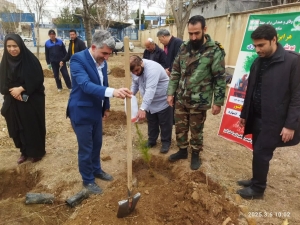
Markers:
(197, 77)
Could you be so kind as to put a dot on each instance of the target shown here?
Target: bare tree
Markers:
(87, 18)
(101, 12)
(181, 10)
(11, 25)
(37, 7)
(110, 10)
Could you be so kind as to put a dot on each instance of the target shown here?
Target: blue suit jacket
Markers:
(85, 102)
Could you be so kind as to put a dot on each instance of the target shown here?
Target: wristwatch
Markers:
(142, 109)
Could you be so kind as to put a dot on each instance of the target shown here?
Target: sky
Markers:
(53, 7)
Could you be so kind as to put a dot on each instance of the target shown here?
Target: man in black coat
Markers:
(271, 110)
(155, 53)
(171, 47)
(75, 45)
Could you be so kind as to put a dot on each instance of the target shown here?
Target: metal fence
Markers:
(132, 33)
(63, 31)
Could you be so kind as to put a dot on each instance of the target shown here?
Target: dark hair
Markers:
(73, 31)
(51, 32)
(265, 31)
(197, 19)
(135, 60)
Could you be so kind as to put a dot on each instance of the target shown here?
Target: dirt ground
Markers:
(170, 194)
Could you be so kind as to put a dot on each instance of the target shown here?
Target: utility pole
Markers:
(119, 12)
(140, 16)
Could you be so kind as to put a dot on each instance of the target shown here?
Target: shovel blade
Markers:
(125, 208)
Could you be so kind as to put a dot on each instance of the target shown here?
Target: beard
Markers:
(142, 71)
(196, 44)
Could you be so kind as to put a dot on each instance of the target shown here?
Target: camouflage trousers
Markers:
(186, 120)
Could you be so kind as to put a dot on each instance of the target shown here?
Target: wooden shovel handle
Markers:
(128, 117)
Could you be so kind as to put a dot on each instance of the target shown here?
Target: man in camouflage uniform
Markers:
(198, 74)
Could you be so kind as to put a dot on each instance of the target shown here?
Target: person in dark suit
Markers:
(75, 45)
(171, 47)
(89, 104)
(271, 110)
(155, 53)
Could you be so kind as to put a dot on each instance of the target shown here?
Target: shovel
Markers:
(127, 206)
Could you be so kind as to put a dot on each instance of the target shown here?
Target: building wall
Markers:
(214, 8)
(228, 29)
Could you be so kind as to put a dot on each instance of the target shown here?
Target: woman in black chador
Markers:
(21, 83)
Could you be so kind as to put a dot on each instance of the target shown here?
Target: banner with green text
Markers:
(287, 26)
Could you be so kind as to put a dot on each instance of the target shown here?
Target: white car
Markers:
(25, 39)
(120, 45)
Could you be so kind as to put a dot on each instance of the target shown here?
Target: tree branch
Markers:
(93, 3)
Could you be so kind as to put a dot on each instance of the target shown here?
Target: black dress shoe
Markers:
(150, 145)
(164, 148)
(93, 188)
(245, 183)
(104, 176)
(249, 193)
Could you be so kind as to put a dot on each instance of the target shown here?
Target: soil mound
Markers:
(169, 195)
(17, 182)
(48, 73)
(117, 72)
(14, 184)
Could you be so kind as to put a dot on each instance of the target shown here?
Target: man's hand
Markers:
(61, 63)
(122, 93)
(168, 72)
(170, 100)
(49, 67)
(215, 109)
(141, 114)
(287, 134)
(242, 122)
(106, 114)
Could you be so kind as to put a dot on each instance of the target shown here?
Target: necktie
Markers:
(166, 49)
(72, 47)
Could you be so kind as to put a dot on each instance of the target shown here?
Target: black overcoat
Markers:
(173, 49)
(79, 46)
(280, 98)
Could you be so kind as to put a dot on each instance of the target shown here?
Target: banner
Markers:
(287, 26)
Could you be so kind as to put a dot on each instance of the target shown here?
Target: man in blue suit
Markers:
(88, 103)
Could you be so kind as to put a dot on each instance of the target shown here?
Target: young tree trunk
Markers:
(87, 20)
(180, 30)
(88, 30)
